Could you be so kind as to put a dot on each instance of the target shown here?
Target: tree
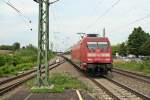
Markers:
(16, 46)
(145, 48)
(136, 40)
(115, 49)
(123, 49)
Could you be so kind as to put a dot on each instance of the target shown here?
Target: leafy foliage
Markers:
(138, 43)
(20, 60)
(6, 47)
(136, 40)
(16, 46)
(13, 47)
(143, 67)
(122, 49)
(145, 48)
(7, 59)
(7, 69)
(115, 49)
(28, 54)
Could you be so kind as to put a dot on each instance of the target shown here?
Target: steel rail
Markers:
(145, 97)
(93, 80)
(29, 76)
(19, 76)
(105, 89)
(139, 78)
(136, 76)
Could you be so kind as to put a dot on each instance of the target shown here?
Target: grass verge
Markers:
(140, 67)
(8, 70)
(61, 82)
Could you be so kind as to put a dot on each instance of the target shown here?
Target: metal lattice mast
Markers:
(43, 41)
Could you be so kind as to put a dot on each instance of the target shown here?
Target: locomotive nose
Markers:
(104, 50)
(97, 50)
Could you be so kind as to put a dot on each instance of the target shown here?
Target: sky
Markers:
(68, 17)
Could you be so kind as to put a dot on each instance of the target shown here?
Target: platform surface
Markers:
(67, 95)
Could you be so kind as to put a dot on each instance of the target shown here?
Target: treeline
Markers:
(13, 47)
(138, 43)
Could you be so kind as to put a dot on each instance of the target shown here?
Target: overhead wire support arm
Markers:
(20, 13)
(40, 1)
(54, 2)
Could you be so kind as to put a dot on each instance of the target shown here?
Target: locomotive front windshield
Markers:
(94, 45)
(102, 45)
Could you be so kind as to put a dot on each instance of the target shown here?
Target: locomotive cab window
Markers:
(103, 44)
(92, 45)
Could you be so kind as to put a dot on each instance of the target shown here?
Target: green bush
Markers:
(10, 69)
(143, 67)
(21, 60)
(7, 59)
(27, 55)
(7, 69)
(2, 60)
(25, 66)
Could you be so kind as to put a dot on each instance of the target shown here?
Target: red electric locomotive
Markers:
(93, 54)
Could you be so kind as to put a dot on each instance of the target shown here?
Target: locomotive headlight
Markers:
(89, 59)
(84, 64)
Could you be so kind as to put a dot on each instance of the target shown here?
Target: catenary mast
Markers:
(43, 41)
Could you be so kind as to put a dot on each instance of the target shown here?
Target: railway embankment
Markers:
(19, 61)
(141, 67)
(134, 74)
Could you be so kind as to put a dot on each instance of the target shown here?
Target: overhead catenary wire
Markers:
(24, 18)
(93, 11)
(101, 16)
(95, 8)
(140, 19)
(57, 23)
(54, 30)
(133, 22)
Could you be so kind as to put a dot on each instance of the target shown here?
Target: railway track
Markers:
(19, 76)
(114, 89)
(131, 90)
(136, 76)
(12, 83)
